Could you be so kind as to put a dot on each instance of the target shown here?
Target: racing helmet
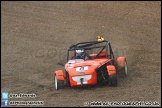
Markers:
(80, 53)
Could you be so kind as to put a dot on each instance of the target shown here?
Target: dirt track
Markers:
(35, 36)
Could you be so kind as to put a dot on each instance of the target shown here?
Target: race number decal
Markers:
(82, 68)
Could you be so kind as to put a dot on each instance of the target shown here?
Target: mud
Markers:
(35, 36)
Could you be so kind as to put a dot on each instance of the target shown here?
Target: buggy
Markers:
(96, 65)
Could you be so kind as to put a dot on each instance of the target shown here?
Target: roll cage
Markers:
(90, 45)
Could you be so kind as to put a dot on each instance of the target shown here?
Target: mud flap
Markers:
(111, 70)
(112, 79)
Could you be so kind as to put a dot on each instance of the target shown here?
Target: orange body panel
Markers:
(72, 82)
(120, 62)
(93, 56)
(111, 70)
(59, 75)
(83, 69)
(91, 81)
(102, 55)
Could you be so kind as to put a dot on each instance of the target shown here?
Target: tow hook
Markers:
(81, 80)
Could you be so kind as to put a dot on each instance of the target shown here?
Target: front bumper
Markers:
(81, 80)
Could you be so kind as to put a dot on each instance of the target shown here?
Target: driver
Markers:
(80, 54)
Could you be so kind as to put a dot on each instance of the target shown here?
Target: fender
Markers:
(59, 75)
(111, 70)
(120, 62)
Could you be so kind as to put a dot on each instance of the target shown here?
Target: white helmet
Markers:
(79, 51)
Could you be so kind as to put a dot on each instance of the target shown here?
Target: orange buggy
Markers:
(90, 63)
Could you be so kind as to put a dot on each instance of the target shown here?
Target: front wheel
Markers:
(58, 84)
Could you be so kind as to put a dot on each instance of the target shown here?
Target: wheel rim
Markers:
(55, 83)
(126, 69)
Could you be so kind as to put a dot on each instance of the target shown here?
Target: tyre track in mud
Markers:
(34, 33)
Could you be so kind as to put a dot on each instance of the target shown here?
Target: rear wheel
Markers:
(58, 84)
(124, 71)
(126, 68)
(113, 80)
